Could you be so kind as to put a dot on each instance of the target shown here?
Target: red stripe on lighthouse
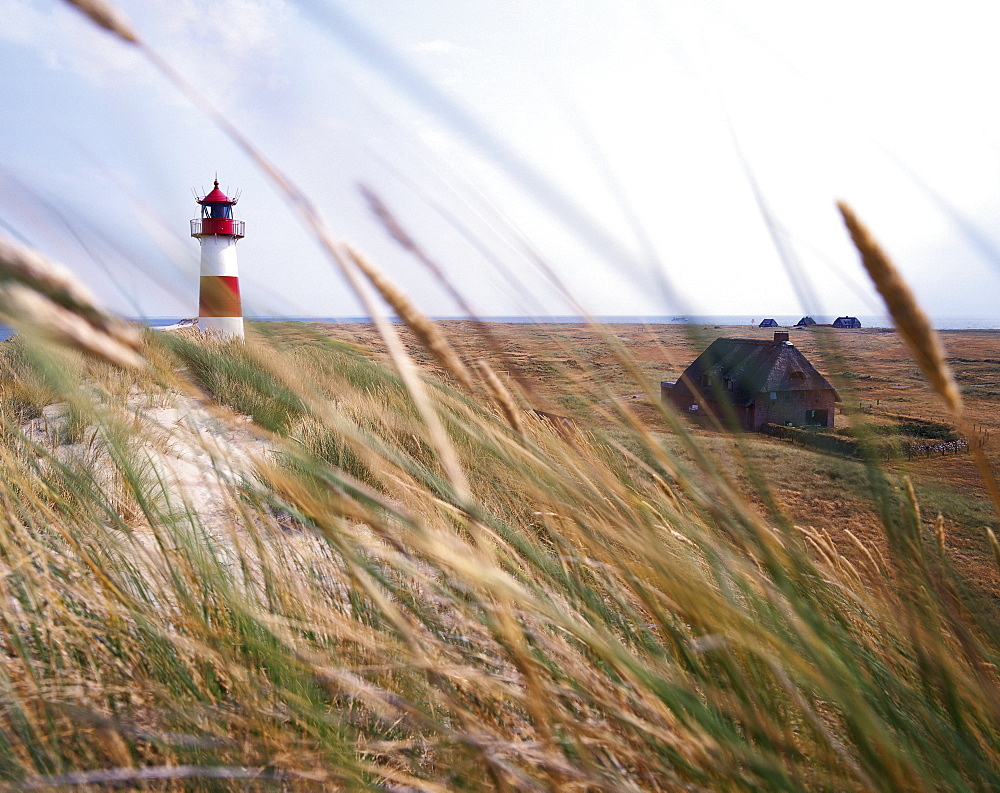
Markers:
(220, 296)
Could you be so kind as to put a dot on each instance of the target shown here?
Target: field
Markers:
(341, 558)
(573, 370)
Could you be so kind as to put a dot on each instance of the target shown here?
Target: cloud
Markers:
(22, 24)
(66, 41)
(223, 48)
(227, 48)
(440, 46)
(237, 30)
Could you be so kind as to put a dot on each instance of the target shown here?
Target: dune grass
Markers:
(609, 610)
(292, 564)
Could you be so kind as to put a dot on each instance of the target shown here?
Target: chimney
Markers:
(780, 336)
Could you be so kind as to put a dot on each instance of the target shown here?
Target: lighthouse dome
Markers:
(216, 197)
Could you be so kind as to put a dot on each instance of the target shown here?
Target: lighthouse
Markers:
(219, 309)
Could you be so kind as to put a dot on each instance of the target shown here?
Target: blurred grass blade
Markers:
(917, 331)
(37, 295)
(107, 16)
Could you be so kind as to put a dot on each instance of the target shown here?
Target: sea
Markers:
(721, 320)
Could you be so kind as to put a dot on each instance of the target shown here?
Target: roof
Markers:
(754, 366)
(216, 197)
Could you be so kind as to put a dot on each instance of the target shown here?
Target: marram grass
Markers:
(384, 582)
(326, 610)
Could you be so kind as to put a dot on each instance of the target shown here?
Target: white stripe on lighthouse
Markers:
(218, 255)
(222, 326)
(220, 309)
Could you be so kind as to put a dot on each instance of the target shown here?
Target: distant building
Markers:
(763, 381)
(768, 323)
(805, 322)
(847, 322)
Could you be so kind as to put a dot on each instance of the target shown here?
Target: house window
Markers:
(816, 418)
(802, 394)
(706, 380)
(788, 396)
(729, 384)
(774, 395)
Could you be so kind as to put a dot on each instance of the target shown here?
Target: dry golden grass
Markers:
(588, 616)
(574, 373)
(406, 590)
(426, 332)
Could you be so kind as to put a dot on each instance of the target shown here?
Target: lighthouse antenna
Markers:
(236, 197)
(195, 194)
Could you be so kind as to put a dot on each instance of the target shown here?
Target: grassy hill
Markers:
(295, 562)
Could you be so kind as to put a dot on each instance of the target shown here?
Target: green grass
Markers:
(610, 611)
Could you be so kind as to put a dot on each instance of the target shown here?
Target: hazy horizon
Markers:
(731, 320)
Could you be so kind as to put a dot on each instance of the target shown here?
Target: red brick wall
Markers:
(783, 411)
(683, 402)
(744, 415)
(776, 411)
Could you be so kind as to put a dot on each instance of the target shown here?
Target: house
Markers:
(763, 381)
(847, 322)
(768, 323)
(805, 322)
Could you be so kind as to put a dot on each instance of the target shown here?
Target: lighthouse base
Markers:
(223, 327)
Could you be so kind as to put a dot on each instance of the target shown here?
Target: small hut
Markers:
(847, 322)
(768, 323)
(762, 382)
(805, 322)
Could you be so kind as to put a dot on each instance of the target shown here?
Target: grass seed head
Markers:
(108, 17)
(38, 294)
(502, 396)
(995, 545)
(939, 532)
(427, 333)
(910, 320)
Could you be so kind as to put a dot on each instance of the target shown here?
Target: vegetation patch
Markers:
(902, 436)
(364, 590)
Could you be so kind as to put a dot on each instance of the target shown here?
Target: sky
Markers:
(619, 157)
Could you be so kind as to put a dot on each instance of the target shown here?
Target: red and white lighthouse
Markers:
(219, 309)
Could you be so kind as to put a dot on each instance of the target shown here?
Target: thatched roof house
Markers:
(768, 323)
(847, 322)
(805, 322)
(762, 381)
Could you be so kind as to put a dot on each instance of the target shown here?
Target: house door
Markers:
(817, 418)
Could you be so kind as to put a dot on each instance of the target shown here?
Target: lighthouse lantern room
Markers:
(219, 309)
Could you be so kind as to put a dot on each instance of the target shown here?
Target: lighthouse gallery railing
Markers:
(200, 226)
